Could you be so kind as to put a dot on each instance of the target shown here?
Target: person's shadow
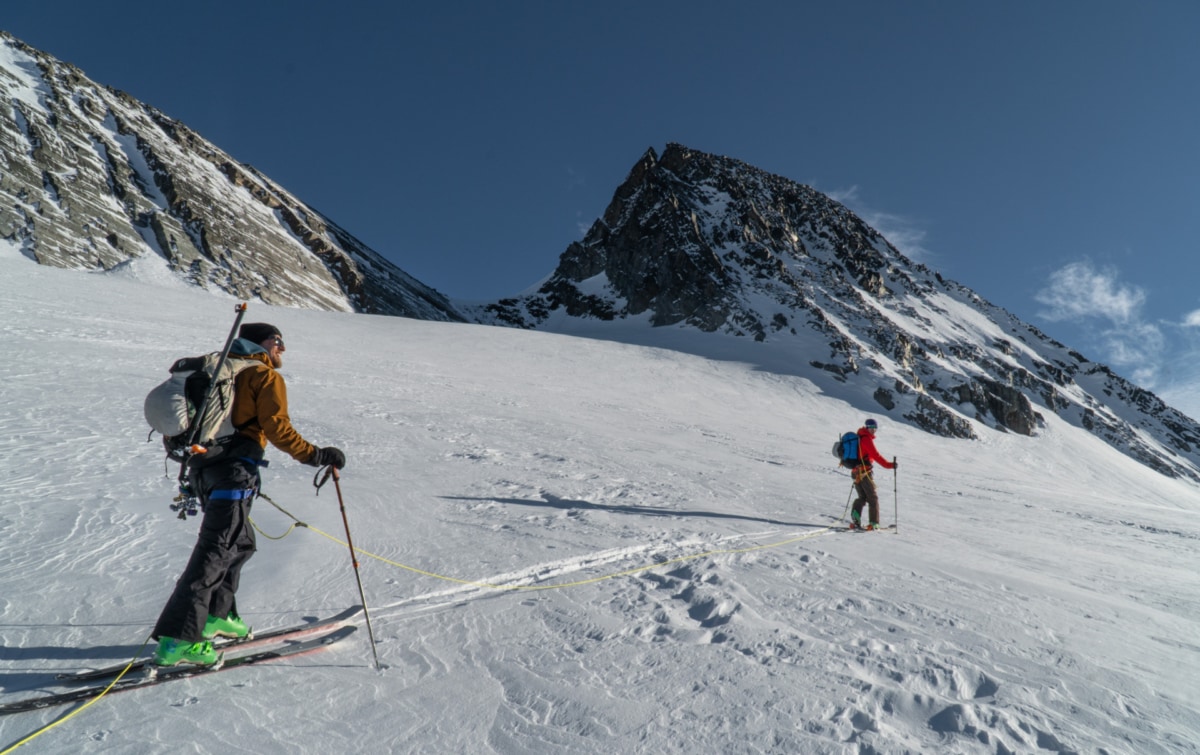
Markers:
(29, 674)
(554, 502)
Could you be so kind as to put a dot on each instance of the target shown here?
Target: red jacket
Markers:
(866, 449)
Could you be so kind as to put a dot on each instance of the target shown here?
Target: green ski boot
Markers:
(171, 651)
(232, 626)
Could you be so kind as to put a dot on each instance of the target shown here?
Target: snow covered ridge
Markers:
(702, 243)
(94, 179)
(692, 243)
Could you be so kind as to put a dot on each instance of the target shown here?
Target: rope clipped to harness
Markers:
(295, 522)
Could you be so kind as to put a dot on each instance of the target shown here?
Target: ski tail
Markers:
(256, 639)
(290, 648)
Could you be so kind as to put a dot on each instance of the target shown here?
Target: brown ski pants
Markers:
(864, 483)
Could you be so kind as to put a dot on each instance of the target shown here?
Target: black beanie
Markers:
(258, 332)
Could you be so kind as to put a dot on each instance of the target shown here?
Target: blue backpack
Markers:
(845, 450)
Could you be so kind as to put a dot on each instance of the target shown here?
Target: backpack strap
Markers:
(241, 366)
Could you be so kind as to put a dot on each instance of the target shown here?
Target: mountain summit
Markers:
(94, 179)
(707, 243)
(693, 242)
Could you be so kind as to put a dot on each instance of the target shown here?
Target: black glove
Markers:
(326, 456)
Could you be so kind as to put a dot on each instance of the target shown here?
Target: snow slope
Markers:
(574, 545)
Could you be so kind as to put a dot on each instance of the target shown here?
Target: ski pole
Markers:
(185, 502)
(848, 497)
(354, 560)
(212, 386)
(895, 496)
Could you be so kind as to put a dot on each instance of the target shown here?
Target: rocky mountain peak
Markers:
(687, 232)
(704, 242)
(93, 179)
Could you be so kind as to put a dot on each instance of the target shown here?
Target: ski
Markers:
(223, 643)
(172, 673)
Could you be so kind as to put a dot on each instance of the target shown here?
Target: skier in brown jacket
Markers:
(226, 479)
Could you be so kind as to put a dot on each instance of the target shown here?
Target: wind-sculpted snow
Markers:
(576, 545)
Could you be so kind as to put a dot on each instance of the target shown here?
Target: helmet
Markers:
(871, 424)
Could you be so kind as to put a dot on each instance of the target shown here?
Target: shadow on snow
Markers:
(554, 502)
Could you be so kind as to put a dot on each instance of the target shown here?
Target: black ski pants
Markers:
(226, 542)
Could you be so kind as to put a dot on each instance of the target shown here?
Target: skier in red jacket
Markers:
(863, 482)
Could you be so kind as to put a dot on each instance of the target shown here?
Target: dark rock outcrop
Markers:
(700, 241)
(92, 179)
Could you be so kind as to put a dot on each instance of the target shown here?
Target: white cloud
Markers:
(1161, 356)
(1110, 315)
(1138, 345)
(902, 232)
(1080, 291)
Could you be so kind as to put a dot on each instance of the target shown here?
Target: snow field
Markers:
(1038, 595)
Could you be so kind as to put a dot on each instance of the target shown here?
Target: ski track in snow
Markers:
(1047, 611)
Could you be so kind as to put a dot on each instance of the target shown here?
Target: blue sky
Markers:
(1042, 153)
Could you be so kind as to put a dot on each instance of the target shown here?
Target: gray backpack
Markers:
(172, 406)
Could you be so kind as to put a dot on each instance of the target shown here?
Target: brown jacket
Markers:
(260, 409)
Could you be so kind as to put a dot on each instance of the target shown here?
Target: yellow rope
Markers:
(259, 530)
(83, 707)
(470, 583)
(559, 586)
